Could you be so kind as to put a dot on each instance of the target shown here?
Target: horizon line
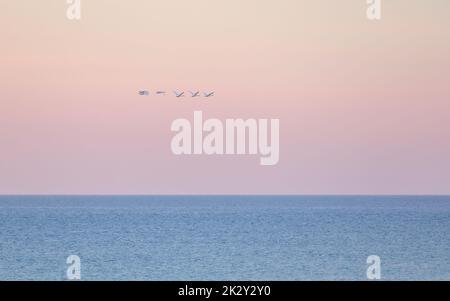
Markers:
(226, 194)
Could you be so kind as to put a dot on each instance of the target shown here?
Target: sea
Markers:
(225, 237)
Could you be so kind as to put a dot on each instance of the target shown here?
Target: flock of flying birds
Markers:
(178, 94)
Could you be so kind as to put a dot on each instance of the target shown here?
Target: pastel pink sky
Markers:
(364, 107)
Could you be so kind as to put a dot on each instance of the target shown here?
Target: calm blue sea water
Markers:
(224, 238)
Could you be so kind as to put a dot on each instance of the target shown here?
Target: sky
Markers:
(364, 106)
